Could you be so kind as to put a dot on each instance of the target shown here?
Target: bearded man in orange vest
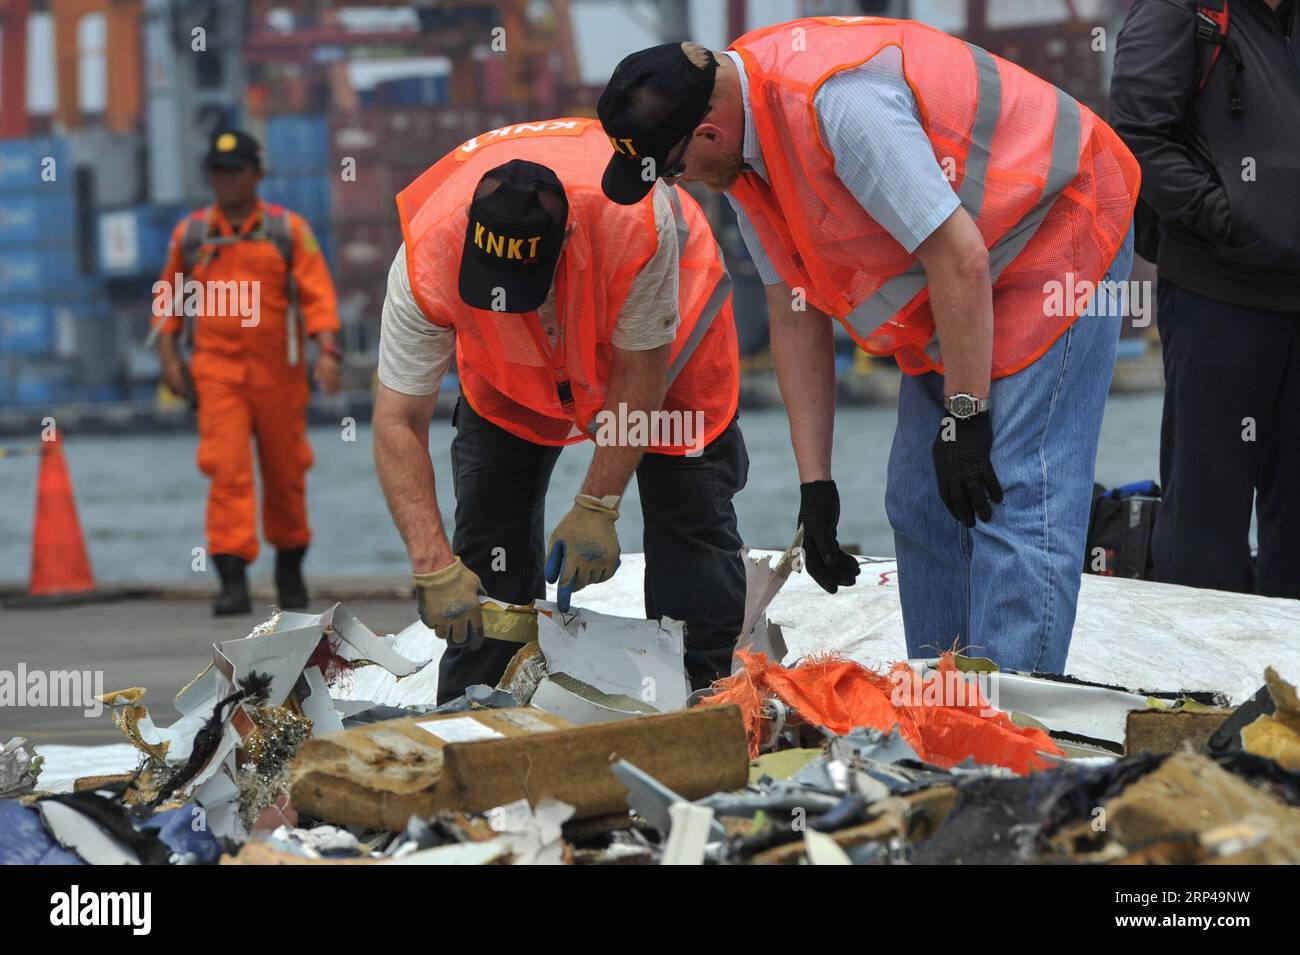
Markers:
(949, 209)
(572, 318)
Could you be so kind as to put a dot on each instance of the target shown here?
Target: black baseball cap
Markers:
(513, 238)
(233, 149)
(652, 103)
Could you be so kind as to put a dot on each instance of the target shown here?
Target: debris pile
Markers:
(314, 741)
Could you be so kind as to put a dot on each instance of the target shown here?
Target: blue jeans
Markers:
(1007, 588)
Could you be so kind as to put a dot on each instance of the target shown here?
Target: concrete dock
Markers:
(159, 643)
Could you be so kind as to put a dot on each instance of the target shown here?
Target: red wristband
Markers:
(332, 350)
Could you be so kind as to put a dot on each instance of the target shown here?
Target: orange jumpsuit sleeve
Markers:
(171, 325)
(316, 296)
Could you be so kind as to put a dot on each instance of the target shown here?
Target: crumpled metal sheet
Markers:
(280, 648)
(1078, 708)
(602, 667)
(533, 834)
(20, 767)
(652, 800)
(763, 581)
(320, 842)
(524, 673)
(866, 765)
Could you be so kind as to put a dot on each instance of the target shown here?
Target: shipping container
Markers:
(40, 163)
(38, 382)
(109, 392)
(34, 217)
(408, 92)
(492, 79)
(25, 271)
(133, 241)
(307, 194)
(364, 250)
(372, 195)
(61, 324)
(27, 328)
(297, 142)
(40, 270)
(415, 137)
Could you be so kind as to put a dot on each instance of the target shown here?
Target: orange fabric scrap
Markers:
(944, 717)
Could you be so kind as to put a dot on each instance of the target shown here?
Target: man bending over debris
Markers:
(572, 318)
(929, 196)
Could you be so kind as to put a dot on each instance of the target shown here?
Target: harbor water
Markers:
(141, 498)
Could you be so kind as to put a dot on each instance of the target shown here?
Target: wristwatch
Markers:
(962, 405)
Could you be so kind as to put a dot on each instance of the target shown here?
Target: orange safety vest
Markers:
(1051, 186)
(508, 372)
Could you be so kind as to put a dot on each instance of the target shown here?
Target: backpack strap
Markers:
(196, 231)
(279, 231)
(1212, 19)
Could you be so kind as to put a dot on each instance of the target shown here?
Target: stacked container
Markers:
(388, 149)
(46, 302)
(299, 172)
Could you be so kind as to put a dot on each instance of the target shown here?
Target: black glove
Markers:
(967, 482)
(819, 513)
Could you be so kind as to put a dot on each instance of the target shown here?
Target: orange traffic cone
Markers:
(59, 561)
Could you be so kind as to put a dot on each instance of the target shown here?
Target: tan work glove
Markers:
(583, 548)
(448, 601)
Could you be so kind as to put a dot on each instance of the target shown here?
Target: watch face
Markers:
(961, 406)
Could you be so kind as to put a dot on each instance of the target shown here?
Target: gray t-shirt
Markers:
(414, 353)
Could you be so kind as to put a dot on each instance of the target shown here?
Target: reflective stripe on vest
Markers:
(716, 298)
(894, 294)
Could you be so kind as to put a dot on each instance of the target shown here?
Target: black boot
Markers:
(233, 598)
(288, 579)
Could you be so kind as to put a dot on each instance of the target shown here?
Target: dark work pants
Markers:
(1229, 432)
(694, 572)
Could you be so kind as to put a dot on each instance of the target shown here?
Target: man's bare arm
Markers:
(803, 350)
(638, 380)
(961, 297)
(401, 448)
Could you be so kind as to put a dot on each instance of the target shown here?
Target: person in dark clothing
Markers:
(1218, 138)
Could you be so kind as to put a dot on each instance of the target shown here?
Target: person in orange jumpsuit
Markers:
(246, 282)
